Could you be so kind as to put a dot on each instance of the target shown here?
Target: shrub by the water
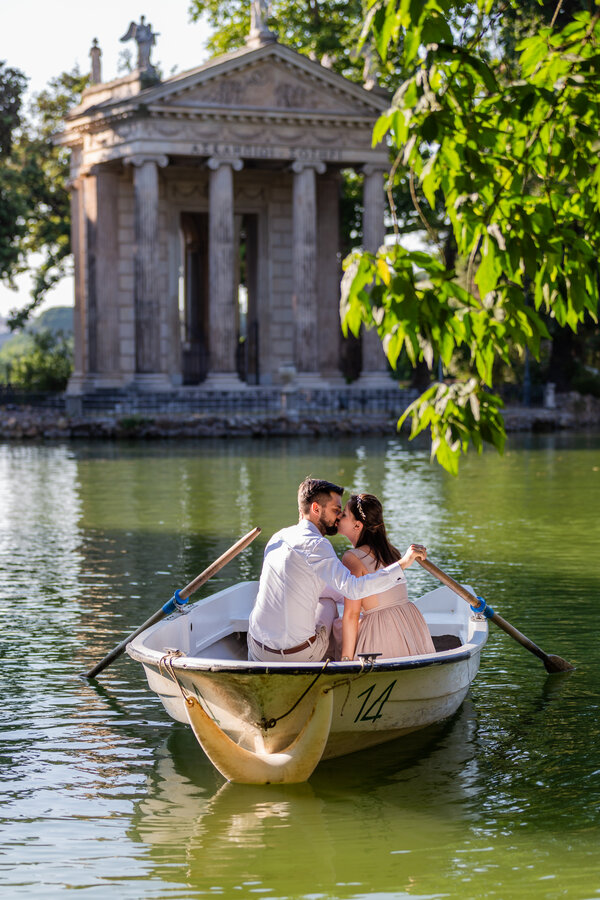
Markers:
(45, 365)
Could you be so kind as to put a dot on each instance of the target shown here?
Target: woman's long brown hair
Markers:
(367, 510)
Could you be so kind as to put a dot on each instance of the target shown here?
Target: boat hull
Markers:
(266, 708)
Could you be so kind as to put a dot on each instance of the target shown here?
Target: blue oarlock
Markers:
(482, 609)
(174, 604)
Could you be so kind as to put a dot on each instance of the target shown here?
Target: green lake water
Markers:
(103, 795)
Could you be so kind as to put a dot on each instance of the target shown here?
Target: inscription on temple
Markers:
(253, 151)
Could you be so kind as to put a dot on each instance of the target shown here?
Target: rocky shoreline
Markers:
(571, 411)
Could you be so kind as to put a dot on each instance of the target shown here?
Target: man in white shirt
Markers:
(302, 578)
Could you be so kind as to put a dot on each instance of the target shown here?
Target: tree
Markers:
(34, 207)
(12, 208)
(12, 86)
(511, 153)
(326, 30)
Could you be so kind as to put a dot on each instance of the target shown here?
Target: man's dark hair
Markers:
(315, 489)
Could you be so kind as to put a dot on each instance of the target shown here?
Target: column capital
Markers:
(299, 165)
(138, 159)
(375, 169)
(215, 162)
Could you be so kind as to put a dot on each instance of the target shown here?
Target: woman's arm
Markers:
(415, 551)
(351, 615)
(320, 556)
(350, 621)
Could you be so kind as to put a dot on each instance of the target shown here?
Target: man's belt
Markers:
(296, 649)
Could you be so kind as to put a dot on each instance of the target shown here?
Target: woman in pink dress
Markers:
(390, 624)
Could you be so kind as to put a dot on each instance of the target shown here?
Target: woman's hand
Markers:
(415, 551)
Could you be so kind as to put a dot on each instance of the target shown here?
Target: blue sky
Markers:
(43, 39)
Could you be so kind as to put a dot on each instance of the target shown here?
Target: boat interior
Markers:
(216, 627)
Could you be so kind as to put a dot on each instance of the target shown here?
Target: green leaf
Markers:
(535, 50)
(489, 269)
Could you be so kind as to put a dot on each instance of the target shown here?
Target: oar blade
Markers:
(554, 663)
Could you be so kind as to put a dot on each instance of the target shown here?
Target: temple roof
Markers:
(271, 78)
(265, 102)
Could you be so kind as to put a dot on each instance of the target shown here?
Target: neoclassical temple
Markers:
(206, 220)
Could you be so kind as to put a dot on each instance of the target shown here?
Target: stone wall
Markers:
(272, 413)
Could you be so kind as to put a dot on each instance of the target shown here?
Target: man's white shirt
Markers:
(299, 567)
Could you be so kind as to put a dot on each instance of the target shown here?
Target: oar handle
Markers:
(240, 545)
(472, 600)
(449, 582)
(184, 593)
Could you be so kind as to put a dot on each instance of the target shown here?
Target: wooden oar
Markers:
(178, 600)
(551, 662)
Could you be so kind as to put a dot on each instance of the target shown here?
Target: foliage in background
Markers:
(12, 207)
(34, 208)
(44, 362)
(512, 156)
(46, 367)
(326, 31)
(40, 357)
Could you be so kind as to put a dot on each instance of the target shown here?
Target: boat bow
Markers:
(293, 764)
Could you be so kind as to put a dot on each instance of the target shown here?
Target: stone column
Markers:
(305, 254)
(375, 372)
(222, 268)
(89, 236)
(107, 281)
(149, 372)
(95, 249)
(329, 277)
(77, 380)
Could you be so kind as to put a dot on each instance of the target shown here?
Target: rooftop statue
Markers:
(259, 31)
(96, 54)
(145, 39)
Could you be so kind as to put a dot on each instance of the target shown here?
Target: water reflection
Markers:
(100, 791)
(39, 515)
(324, 832)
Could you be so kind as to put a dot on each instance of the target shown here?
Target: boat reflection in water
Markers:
(318, 834)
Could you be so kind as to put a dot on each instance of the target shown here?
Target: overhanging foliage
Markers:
(514, 160)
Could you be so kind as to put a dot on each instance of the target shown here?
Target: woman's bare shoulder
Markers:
(353, 562)
(364, 553)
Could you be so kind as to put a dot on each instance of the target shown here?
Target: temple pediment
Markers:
(269, 79)
(274, 84)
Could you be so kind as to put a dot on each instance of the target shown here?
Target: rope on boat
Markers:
(350, 681)
(165, 662)
(265, 723)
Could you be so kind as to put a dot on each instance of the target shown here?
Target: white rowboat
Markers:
(262, 723)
